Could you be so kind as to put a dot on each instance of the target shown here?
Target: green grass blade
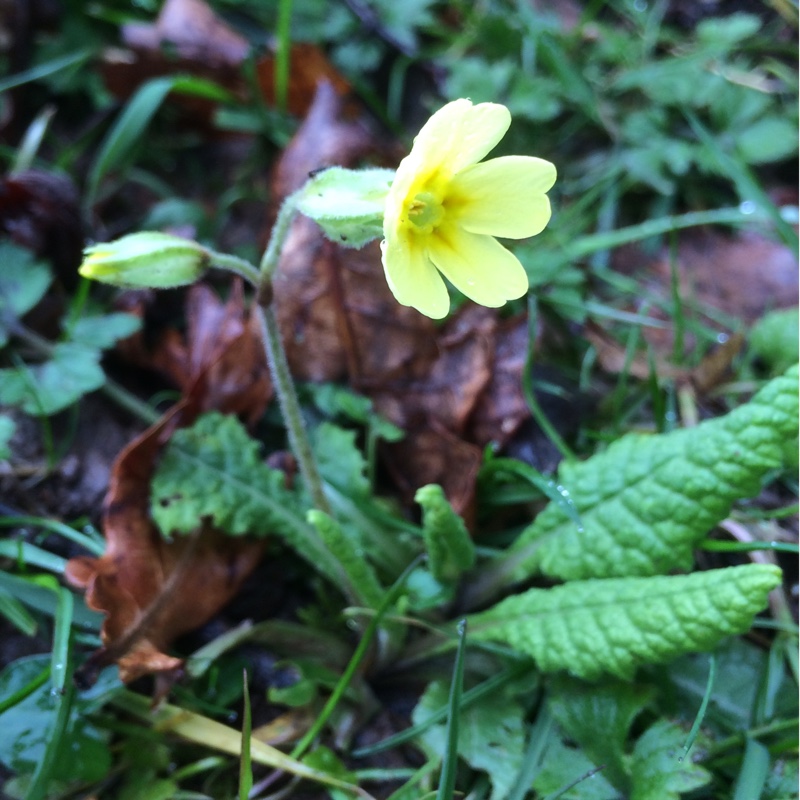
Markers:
(43, 70)
(127, 131)
(63, 693)
(447, 781)
(245, 764)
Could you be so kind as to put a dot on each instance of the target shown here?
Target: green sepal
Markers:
(596, 627)
(347, 204)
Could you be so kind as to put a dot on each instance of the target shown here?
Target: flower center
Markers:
(425, 212)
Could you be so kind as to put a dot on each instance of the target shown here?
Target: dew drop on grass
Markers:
(747, 207)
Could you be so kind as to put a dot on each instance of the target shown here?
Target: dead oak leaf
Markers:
(150, 589)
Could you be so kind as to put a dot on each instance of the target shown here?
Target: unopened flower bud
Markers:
(148, 259)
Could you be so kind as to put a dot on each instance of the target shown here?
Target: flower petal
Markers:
(478, 266)
(459, 134)
(503, 197)
(412, 277)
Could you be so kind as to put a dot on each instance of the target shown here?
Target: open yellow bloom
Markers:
(444, 209)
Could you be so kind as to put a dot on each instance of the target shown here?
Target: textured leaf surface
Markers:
(648, 500)
(362, 583)
(449, 546)
(596, 627)
(213, 470)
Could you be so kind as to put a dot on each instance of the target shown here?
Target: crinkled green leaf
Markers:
(362, 583)
(73, 371)
(213, 470)
(599, 718)
(491, 735)
(23, 283)
(595, 627)
(449, 545)
(646, 501)
(103, 330)
(658, 770)
(339, 460)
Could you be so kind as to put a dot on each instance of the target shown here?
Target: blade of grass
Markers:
(447, 780)
(25, 691)
(126, 131)
(283, 51)
(701, 712)
(16, 613)
(63, 693)
(753, 773)
(43, 70)
(95, 546)
(209, 733)
(468, 698)
(341, 687)
(527, 387)
(245, 765)
(534, 754)
(32, 140)
(747, 185)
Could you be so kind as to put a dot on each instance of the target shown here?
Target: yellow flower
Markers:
(444, 209)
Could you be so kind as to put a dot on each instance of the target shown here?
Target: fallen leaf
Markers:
(221, 342)
(189, 37)
(153, 590)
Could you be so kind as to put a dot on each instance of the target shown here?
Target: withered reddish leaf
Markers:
(221, 343)
(433, 455)
(194, 31)
(152, 590)
(189, 37)
(501, 407)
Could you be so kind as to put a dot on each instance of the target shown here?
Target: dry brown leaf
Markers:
(222, 343)
(152, 590)
(188, 37)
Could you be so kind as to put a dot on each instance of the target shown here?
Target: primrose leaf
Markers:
(598, 718)
(596, 627)
(340, 461)
(449, 546)
(72, 371)
(646, 501)
(213, 470)
(768, 139)
(657, 769)
(362, 583)
(23, 283)
(491, 735)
